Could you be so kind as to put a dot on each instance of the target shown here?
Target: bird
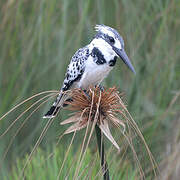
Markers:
(92, 63)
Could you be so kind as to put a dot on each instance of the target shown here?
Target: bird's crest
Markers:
(101, 28)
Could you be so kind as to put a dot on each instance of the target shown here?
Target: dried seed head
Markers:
(96, 105)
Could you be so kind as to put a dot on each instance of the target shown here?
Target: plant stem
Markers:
(100, 143)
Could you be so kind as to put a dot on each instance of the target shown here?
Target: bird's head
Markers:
(110, 38)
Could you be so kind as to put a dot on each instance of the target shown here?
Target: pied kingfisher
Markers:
(92, 63)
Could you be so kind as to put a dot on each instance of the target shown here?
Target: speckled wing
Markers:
(76, 68)
(74, 73)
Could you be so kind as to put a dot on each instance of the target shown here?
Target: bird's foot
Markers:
(101, 87)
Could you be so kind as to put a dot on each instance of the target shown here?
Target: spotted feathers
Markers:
(90, 64)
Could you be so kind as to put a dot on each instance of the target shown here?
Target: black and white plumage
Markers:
(92, 63)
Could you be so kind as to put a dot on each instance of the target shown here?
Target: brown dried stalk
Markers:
(100, 108)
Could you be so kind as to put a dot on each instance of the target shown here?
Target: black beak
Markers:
(122, 54)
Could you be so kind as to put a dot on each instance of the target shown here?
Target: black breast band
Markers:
(98, 56)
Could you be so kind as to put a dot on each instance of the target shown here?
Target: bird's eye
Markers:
(111, 39)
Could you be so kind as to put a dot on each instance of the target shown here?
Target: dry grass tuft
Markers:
(95, 105)
(101, 108)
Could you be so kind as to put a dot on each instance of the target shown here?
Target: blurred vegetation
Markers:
(52, 165)
(38, 39)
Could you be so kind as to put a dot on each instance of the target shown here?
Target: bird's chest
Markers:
(94, 73)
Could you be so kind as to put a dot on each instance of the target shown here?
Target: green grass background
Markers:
(38, 39)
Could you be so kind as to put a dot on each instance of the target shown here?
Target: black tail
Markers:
(55, 108)
(52, 112)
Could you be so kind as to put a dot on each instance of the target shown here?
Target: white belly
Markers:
(93, 74)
